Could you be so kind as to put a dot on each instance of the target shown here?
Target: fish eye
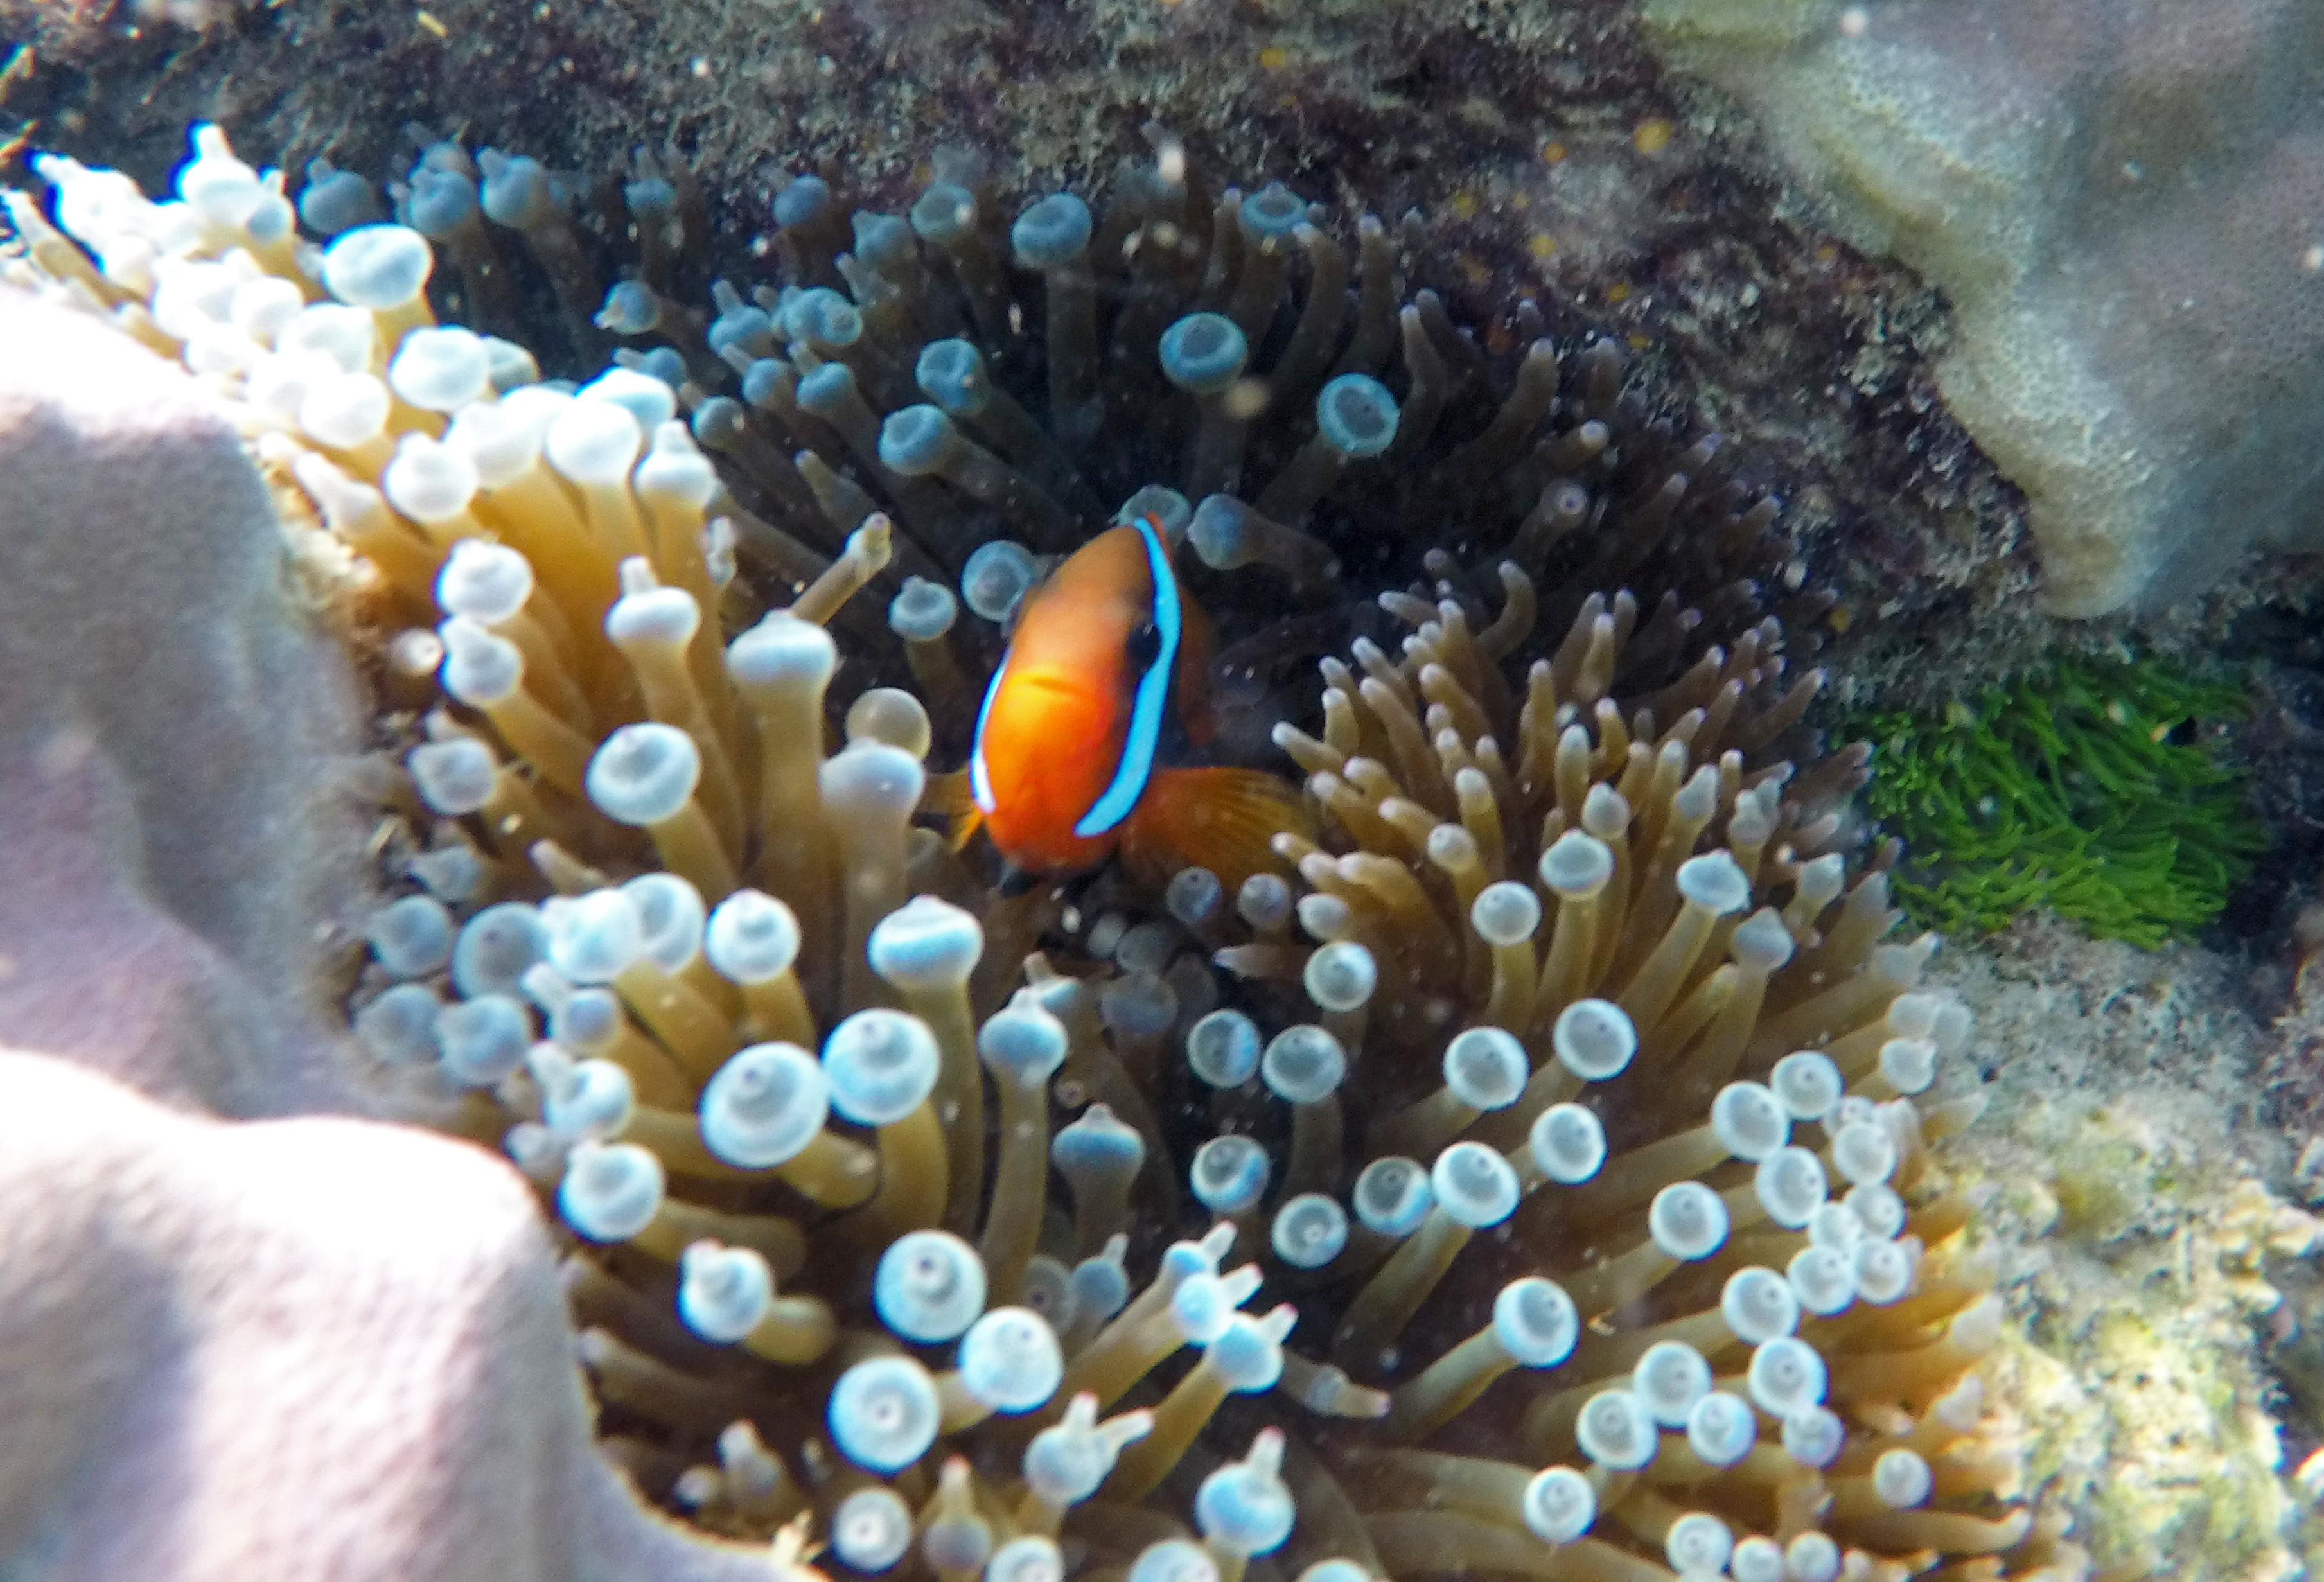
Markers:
(1145, 644)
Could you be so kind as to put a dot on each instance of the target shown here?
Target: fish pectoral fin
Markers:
(1222, 819)
(949, 797)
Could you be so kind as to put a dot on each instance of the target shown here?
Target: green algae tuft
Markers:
(2087, 787)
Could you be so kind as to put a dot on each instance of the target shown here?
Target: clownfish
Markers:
(1106, 656)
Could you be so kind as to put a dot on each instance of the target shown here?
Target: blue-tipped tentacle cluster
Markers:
(1459, 1197)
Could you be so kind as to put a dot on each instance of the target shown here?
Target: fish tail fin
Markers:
(1222, 819)
(951, 797)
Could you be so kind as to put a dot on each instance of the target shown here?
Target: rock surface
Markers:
(2146, 1248)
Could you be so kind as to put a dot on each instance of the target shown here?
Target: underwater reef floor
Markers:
(2141, 1170)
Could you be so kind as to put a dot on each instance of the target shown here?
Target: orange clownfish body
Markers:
(1066, 763)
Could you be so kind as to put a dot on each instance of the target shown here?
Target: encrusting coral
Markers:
(2106, 194)
(1509, 1139)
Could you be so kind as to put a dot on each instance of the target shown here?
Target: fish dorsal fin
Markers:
(1148, 699)
(1222, 819)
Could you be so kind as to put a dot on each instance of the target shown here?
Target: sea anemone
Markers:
(1459, 1197)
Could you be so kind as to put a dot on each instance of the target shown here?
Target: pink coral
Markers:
(283, 1349)
(295, 1348)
